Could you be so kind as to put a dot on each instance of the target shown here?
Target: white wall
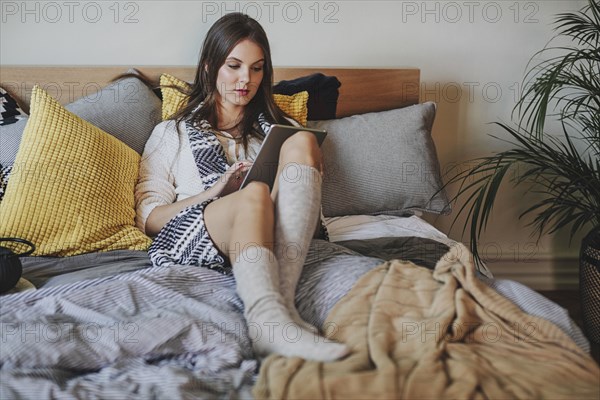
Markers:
(472, 56)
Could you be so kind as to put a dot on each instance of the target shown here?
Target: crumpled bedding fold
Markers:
(415, 334)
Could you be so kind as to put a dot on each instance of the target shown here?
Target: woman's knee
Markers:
(301, 148)
(256, 198)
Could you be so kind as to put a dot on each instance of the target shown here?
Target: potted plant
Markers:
(564, 168)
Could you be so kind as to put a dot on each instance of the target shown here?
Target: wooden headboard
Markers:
(363, 90)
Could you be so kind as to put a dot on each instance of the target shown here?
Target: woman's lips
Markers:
(242, 92)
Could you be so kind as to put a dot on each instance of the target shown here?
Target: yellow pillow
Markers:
(172, 98)
(295, 105)
(72, 184)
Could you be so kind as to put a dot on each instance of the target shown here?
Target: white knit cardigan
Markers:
(168, 171)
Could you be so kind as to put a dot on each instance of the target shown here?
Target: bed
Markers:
(106, 324)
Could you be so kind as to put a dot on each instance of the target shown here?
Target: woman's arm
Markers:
(155, 192)
(160, 215)
(228, 183)
(156, 183)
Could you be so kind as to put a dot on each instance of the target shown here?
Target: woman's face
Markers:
(239, 78)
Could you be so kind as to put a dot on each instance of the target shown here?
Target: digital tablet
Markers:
(264, 168)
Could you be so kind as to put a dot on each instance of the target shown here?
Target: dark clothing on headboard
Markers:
(322, 94)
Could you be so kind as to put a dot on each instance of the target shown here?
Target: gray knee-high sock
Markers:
(271, 328)
(297, 211)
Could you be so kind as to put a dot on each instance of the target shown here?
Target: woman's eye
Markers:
(235, 66)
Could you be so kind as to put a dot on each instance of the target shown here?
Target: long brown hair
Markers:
(220, 40)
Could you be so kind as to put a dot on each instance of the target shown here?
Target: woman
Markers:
(187, 197)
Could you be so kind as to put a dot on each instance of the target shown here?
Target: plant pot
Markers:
(589, 284)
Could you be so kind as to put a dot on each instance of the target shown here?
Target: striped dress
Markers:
(184, 240)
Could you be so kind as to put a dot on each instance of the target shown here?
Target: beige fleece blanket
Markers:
(415, 334)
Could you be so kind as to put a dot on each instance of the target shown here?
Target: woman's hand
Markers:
(232, 179)
(229, 182)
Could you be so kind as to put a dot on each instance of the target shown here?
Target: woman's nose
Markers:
(244, 75)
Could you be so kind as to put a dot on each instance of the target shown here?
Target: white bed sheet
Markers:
(356, 227)
(360, 227)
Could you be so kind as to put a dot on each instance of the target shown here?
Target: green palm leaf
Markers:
(570, 81)
(564, 177)
(570, 185)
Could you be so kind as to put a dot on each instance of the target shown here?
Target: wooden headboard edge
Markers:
(362, 89)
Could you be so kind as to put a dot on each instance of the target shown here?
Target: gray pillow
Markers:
(382, 163)
(127, 109)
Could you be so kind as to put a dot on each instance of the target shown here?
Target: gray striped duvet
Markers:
(111, 326)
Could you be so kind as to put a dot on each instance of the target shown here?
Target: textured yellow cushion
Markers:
(71, 189)
(295, 105)
(172, 98)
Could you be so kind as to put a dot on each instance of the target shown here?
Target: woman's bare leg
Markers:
(250, 211)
